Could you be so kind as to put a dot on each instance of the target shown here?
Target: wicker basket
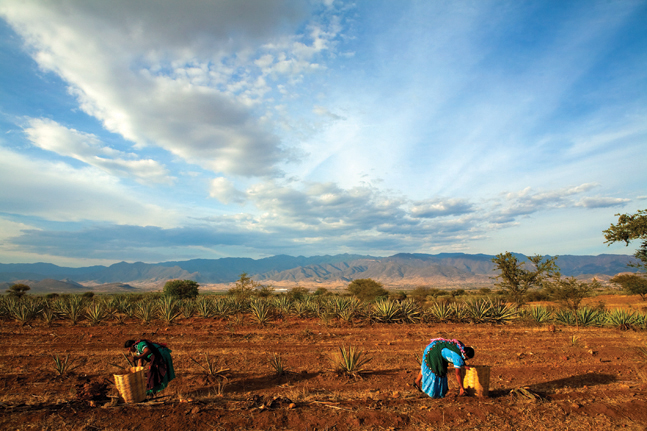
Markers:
(476, 380)
(132, 384)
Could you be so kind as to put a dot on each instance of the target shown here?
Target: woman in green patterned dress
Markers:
(160, 371)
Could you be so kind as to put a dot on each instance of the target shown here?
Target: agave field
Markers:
(320, 362)
(165, 309)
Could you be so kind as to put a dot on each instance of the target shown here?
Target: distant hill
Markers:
(403, 269)
(49, 285)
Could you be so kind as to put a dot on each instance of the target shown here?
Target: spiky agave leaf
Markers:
(589, 317)
(410, 311)
(565, 317)
(503, 312)
(204, 308)
(479, 310)
(540, 314)
(350, 361)
(261, 311)
(440, 311)
(168, 310)
(622, 319)
(386, 311)
(95, 313)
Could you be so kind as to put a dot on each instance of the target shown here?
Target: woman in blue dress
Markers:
(160, 371)
(440, 352)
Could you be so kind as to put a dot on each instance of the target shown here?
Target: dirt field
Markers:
(588, 378)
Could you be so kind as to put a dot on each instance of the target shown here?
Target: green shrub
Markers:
(297, 293)
(321, 291)
(18, 290)
(420, 294)
(367, 289)
(182, 289)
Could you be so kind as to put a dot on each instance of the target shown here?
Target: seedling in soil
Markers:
(276, 362)
(211, 366)
(63, 367)
(575, 341)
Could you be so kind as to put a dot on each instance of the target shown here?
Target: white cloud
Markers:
(223, 190)
(171, 75)
(602, 202)
(439, 208)
(56, 191)
(87, 148)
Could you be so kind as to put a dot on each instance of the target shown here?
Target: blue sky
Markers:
(158, 130)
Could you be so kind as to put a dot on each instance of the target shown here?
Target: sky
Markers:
(164, 130)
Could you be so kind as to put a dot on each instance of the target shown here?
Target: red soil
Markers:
(597, 382)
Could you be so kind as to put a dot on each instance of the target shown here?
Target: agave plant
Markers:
(211, 367)
(440, 311)
(188, 308)
(63, 366)
(386, 311)
(276, 362)
(261, 311)
(222, 307)
(410, 311)
(145, 311)
(168, 309)
(111, 307)
(502, 312)
(302, 308)
(283, 305)
(74, 309)
(459, 311)
(350, 361)
(204, 307)
(622, 319)
(479, 310)
(24, 311)
(589, 317)
(95, 313)
(540, 314)
(48, 315)
(565, 317)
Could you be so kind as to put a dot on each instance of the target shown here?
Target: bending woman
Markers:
(432, 378)
(161, 371)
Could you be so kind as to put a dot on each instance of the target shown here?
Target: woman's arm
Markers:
(139, 359)
(461, 390)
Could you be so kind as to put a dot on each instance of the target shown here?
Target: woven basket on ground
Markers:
(132, 384)
(476, 380)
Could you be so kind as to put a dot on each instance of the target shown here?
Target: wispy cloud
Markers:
(57, 191)
(87, 148)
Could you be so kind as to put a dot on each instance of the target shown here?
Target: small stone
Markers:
(292, 405)
(195, 410)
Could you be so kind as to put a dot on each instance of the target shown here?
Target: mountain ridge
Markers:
(402, 269)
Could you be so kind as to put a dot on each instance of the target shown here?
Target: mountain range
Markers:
(400, 270)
